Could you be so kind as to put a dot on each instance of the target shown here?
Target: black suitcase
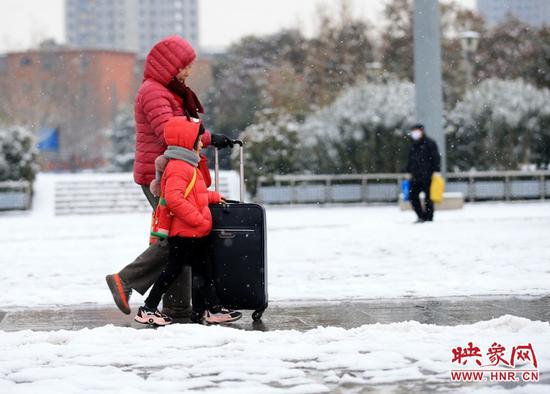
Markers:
(238, 251)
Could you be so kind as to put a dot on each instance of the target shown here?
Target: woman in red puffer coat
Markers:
(162, 95)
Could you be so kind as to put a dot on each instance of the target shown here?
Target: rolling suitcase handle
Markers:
(241, 171)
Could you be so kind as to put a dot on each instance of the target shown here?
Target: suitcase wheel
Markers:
(257, 315)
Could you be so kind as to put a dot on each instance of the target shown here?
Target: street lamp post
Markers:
(427, 72)
(469, 41)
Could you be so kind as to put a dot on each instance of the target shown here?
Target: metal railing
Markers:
(15, 195)
(475, 186)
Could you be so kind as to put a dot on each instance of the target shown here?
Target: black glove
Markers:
(221, 141)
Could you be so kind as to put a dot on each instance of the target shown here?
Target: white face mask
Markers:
(416, 134)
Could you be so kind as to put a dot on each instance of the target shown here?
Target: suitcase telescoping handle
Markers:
(241, 170)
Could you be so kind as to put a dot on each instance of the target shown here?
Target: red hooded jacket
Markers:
(192, 217)
(155, 104)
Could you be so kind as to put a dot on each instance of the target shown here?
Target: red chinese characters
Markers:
(523, 353)
(496, 353)
(471, 351)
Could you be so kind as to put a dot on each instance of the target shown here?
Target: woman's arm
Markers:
(157, 109)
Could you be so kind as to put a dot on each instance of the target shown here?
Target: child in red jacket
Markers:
(187, 197)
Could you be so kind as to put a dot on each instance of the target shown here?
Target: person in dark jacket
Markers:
(423, 162)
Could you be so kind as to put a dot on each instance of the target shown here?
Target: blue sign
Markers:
(49, 139)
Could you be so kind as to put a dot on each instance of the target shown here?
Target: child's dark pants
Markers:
(192, 252)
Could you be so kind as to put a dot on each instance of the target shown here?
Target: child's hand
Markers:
(222, 200)
(154, 187)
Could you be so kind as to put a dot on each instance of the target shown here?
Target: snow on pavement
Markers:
(314, 253)
(220, 359)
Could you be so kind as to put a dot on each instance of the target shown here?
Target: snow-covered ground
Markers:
(314, 253)
(183, 358)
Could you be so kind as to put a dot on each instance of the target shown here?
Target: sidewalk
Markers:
(292, 355)
(448, 311)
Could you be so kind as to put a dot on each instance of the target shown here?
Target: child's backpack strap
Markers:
(162, 217)
(191, 184)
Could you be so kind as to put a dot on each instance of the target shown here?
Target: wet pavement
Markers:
(305, 316)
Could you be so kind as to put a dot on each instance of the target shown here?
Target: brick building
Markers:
(77, 91)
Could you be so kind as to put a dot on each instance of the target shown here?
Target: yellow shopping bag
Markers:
(437, 188)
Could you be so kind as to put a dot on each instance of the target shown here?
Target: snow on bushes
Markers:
(123, 140)
(500, 124)
(363, 130)
(272, 147)
(18, 154)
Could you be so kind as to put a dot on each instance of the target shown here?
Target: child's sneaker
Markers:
(121, 293)
(221, 315)
(149, 316)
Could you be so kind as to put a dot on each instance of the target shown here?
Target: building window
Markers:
(3, 64)
(84, 91)
(84, 63)
(26, 87)
(25, 61)
(48, 61)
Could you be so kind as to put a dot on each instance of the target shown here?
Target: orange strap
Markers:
(189, 187)
(191, 184)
